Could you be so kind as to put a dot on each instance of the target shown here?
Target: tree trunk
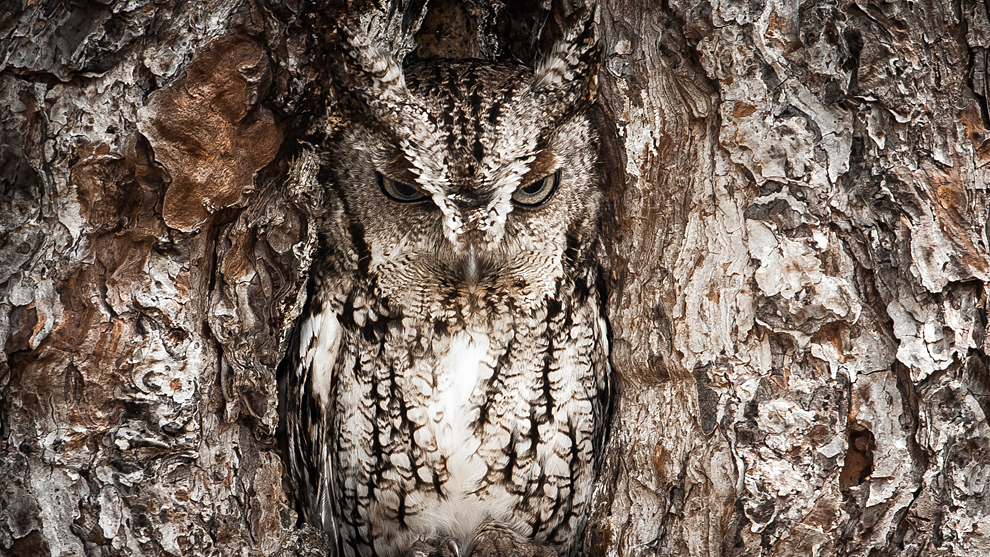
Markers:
(797, 267)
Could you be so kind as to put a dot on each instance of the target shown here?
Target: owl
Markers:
(448, 377)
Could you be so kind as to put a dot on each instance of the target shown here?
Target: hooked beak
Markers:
(470, 267)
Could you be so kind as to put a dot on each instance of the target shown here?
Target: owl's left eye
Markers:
(399, 191)
(537, 193)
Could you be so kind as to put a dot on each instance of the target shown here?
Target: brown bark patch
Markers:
(209, 131)
(823, 515)
(972, 118)
(743, 110)
(954, 212)
(859, 457)
(835, 333)
(26, 325)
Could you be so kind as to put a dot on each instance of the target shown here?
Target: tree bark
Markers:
(797, 267)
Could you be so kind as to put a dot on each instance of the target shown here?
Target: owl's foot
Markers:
(493, 539)
(440, 546)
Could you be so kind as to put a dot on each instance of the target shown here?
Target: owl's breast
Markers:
(443, 427)
(444, 392)
(446, 395)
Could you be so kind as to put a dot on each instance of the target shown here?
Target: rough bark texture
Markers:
(798, 207)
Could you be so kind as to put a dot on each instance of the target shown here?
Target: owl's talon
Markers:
(434, 547)
(494, 539)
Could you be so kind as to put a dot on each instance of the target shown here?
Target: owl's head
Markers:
(466, 183)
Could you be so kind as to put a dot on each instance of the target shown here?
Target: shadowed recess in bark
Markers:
(859, 457)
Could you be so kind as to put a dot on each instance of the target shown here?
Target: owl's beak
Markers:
(470, 267)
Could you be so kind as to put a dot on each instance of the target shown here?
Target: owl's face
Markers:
(484, 197)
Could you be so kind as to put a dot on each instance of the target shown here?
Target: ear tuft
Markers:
(370, 73)
(374, 79)
(569, 74)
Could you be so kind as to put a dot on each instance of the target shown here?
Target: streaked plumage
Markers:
(450, 368)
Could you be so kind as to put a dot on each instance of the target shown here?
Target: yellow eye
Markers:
(399, 191)
(538, 192)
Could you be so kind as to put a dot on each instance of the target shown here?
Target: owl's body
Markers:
(450, 369)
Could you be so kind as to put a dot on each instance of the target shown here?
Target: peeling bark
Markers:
(813, 180)
(206, 129)
(797, 272)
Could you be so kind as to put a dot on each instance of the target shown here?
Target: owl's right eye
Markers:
(399, 191)
(537, 193)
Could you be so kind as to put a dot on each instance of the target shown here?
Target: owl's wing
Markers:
(313, 352)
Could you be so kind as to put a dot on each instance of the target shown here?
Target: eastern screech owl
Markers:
(449, 373)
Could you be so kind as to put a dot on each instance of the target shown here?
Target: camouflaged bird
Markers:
(448, 377)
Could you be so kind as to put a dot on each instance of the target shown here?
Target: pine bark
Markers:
(797, 267)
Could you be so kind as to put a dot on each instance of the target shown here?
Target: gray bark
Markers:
(797, 271)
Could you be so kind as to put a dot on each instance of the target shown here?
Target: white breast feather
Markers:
(321, 357)
(317, 357)
(461, 372)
